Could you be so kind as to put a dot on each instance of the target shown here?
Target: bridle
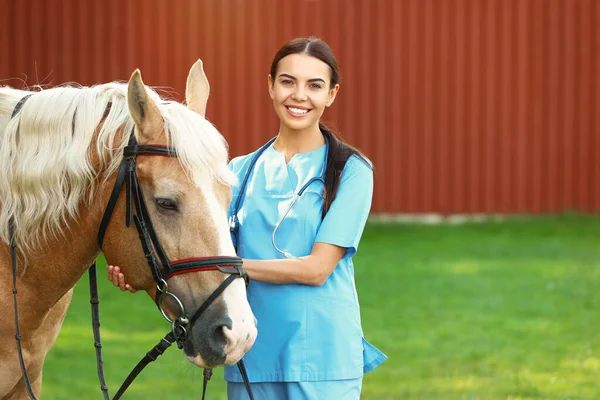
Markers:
(160, 265)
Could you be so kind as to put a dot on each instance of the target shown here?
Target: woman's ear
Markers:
(332, 94)
(270, 83)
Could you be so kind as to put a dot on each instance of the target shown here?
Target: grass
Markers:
(482, 311)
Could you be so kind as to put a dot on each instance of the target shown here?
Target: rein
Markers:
(160, 266)
(13, 260)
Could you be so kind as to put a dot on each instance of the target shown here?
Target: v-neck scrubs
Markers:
(305, 333)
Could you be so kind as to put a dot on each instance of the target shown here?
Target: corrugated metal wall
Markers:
(463, 105)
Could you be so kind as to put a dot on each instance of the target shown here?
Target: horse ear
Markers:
(197, 89)
(143, 110)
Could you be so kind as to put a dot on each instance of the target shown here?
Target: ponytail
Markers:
(339, 153)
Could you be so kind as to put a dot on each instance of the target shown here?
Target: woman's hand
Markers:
(118, 279)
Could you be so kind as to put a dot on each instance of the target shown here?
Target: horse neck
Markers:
(50, 271)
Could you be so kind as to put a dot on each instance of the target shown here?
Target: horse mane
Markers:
(46, 151)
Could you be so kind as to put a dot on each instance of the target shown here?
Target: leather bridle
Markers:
(160, 265)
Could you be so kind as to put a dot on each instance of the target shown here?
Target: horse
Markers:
(62, 156)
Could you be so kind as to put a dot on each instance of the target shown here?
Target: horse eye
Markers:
(167, 204)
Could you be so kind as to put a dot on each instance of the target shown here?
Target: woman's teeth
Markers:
(297, 110)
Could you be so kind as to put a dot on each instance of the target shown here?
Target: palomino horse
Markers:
(60, 156)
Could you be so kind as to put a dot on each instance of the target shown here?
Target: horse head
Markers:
(186, 199)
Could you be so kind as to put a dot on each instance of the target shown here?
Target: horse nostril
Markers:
(225, 323)
(219, 339)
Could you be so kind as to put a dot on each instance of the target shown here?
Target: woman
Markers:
(297, 236)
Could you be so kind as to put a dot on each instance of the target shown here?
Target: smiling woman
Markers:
(297, 217)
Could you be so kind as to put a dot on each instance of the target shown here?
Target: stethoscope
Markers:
(233, 219)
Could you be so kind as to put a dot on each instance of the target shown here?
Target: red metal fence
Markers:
(487, 106)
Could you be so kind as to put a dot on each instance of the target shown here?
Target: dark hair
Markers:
(339, 151)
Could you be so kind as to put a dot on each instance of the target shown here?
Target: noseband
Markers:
(160, 266)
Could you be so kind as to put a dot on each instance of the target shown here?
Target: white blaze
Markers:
(243, 333)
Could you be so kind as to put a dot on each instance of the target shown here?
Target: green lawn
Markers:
(491, 310)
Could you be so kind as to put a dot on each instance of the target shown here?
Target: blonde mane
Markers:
(45, 152)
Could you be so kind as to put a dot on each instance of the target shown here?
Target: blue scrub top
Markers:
(305, 333)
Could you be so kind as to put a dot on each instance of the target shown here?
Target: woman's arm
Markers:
(313, 269)
(339, 233)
